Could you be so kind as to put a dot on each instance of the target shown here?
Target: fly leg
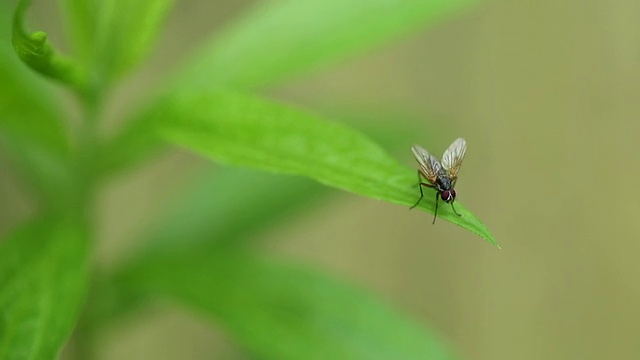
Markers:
(454, 210)
(420, 185)
(435, 214)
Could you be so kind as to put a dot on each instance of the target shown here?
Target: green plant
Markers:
(198, 257)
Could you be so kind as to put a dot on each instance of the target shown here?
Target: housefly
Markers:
(441, 176)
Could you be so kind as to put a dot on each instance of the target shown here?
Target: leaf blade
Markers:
(43, 269)
(80, 19)
(214, 210)
(280, 39)
(284, 311)
(264, 47)
(125, 33)
(209, 216)
(247, 131)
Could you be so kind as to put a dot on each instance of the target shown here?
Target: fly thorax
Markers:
(443, 183)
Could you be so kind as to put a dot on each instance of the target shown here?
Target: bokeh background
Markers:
(547, 95)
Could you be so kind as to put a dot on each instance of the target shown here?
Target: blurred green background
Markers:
(546, 94)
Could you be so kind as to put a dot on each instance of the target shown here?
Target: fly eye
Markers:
(448, 195)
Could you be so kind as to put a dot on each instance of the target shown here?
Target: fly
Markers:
(441, 176)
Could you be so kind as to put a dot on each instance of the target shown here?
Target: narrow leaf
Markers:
(125, 31)
(246, 131)
(80, 19)
(226, 206)
(35, 50)
(136, 142)
(25, 111)
(280, 311)
(43, 269)
(48, 174)
(221, 209)
(282, 38)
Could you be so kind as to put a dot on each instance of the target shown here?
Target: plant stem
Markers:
(83, 194)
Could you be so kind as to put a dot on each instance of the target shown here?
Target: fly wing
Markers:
(452, 158)
(429, 165)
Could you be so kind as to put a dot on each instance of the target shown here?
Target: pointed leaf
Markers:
(215, 212)
(218, 208)
(282, 38)
(43, 270)
(120, 33)
(281, 311)
(80, 19)
(246, 131)
(25, 110)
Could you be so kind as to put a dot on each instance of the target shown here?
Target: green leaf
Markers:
(226, 206)
(38, 53)
(80, 19)
(281, 311)
(114, 36)
(213, 213)
(47, 173)
(25, 110)
(246, 131)
(136, 142)
(43, 272)
(282, 38)
(26, 104)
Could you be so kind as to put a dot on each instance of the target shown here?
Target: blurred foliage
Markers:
(43, 275)
(196, 254)
(112, 37)
(35, 50)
